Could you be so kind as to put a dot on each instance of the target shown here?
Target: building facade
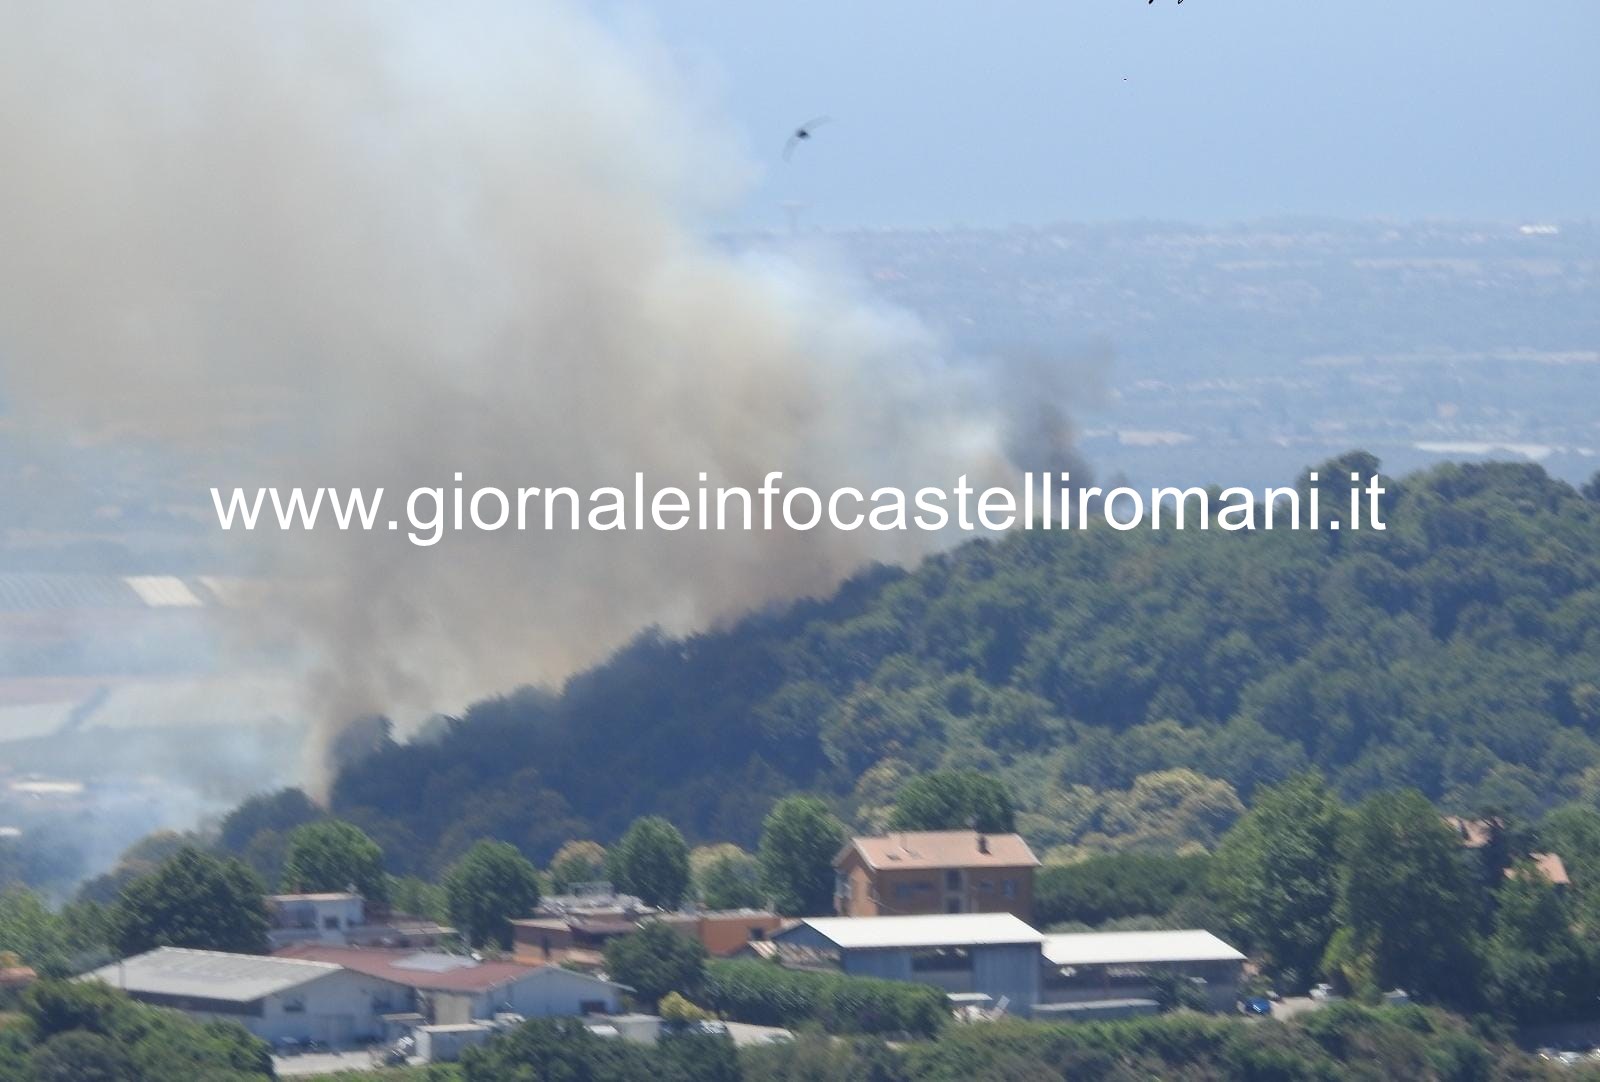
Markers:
(927, 872)
(993, 955)
(274, 998)
(1116, 969)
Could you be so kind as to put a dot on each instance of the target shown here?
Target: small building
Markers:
(725, 932)
(444, 1044)
(1478, 835)
(993, 954)
(453, 989)
(574, 940)
(1118, 968)
(346, 919)
(273, 998)
(940, 871)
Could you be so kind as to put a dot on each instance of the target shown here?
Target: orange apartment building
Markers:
(942, 871)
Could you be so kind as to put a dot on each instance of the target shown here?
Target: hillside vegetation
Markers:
(1133, 689)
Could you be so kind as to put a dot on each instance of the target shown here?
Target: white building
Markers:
(274, 998)
(451, 989)
(992, 955)
(346, 919)
(1084, 969)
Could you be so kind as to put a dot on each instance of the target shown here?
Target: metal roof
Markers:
(933, 930)
(1110, 948)
(234, 978)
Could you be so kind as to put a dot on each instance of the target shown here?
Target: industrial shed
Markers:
(274, 998)
(991, 954)
(1118, 967)
(452, 989)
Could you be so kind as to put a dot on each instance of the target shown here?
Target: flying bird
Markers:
(802, 133)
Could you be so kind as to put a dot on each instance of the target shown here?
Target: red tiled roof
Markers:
(390, 965)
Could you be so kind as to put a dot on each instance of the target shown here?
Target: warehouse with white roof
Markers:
(967, 954)
(274, 998)
(1117, 969)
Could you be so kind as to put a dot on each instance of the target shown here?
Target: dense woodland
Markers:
(1134, 689)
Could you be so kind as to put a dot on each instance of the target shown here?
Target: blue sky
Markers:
(949, 111)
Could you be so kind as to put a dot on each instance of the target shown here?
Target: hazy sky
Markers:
(1043, 110)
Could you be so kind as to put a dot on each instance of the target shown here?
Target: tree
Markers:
(1271, 874)
(651, 861)
(77, 1056)
(577, 862)
(656, 960)
(489, 887)
(192, 900)
(1406, 896)
(954, 800)
(726, 877)
(1536, 968)
(333, 855)
(279, 813)
(799, 840)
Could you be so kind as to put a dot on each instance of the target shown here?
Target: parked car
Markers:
(287, 1046)
(1322, 993)
(1257, 1005)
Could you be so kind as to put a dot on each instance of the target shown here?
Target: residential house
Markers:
(1477, 835)
(988, 957)
(273, 998)
(942, 871)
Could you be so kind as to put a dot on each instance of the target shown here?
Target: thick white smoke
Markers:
(379, 243)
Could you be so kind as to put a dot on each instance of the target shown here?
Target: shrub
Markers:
(765, 994)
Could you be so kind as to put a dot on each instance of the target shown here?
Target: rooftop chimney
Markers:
(983, 843)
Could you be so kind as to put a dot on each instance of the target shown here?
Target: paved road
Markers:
(314, 1063)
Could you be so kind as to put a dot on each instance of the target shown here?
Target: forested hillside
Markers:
(1133, 688)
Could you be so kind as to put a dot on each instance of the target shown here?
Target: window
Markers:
(953, 905)
(294, 1005)
(593, 1006)
(941, 960)
(331, 922)
(986, 885)
(952, 880)
(1009, 888)
(758, 933)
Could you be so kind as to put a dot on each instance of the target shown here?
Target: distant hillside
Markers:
(1133, 688)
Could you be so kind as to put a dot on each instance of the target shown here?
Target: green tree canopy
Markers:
(333, 855)
(1536, 968)
(78, 1056)
(726, 877)
(577, 862)
(651, 861)
(279, 812)
(954, 800)
(799, 840)
(488, 888)
(1407, 897)
(656, 960)
(192, 900)
(1273, 874)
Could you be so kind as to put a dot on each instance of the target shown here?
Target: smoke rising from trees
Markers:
(377, 244)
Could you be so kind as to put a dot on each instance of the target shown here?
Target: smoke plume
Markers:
(303, 243)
